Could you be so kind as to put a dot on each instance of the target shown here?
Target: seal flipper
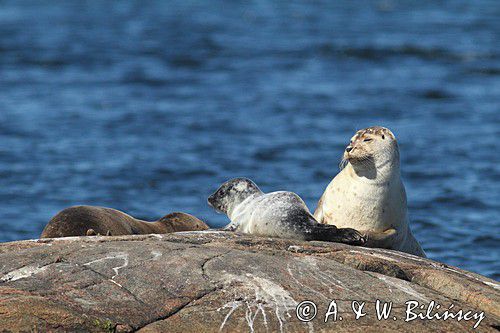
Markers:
(330, 233)
(384, 239)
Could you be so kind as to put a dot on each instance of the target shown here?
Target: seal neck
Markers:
(240, 202)
(376, 170)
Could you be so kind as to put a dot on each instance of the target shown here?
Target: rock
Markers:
(211, 281)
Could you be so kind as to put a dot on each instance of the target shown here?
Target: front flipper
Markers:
(385, 239)
(330, 233)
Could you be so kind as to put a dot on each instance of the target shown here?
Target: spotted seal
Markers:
(276, 214)
(368, 193)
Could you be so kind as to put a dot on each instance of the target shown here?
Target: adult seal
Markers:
(91, 220)
(368, 194)
(277, 214)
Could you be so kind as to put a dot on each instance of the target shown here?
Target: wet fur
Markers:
(276, 214)
(91, 220)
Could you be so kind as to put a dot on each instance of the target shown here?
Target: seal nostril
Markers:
(348, 149)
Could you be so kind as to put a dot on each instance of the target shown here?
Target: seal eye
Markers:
(383, 137)
(367, 140)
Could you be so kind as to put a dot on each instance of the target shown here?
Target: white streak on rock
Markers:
(22, 273)
(156, 254)
(113, 281)
(157, 236)
(233, 305)
(257, 294)
(200, 232)
(300, 283)
(264, 318)
(294, 248)
(401, 285)
(321, 276)
(492, 284)
(121, 255)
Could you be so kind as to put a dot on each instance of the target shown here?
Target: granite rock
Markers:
(215, 281)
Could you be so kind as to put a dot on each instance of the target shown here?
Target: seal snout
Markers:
(211, 200)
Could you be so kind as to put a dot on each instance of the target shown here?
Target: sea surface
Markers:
(147, 106)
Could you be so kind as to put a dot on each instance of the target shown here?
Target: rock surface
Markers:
(213, 281)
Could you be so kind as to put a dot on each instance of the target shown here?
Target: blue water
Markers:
(148, 106)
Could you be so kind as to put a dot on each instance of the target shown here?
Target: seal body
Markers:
(277, 214)
(92, 220)
(368, 194)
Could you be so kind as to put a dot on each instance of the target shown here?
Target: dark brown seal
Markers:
(91, 220)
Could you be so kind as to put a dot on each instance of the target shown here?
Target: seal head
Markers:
(232, 193)
(372, 152)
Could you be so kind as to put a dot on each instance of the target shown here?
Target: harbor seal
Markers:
(368, 194)
(92, 220)
(277, 214)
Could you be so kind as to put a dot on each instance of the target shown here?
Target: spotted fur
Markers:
(276, 214)
(368, 194)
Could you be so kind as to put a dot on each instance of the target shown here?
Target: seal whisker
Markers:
(343, 162)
